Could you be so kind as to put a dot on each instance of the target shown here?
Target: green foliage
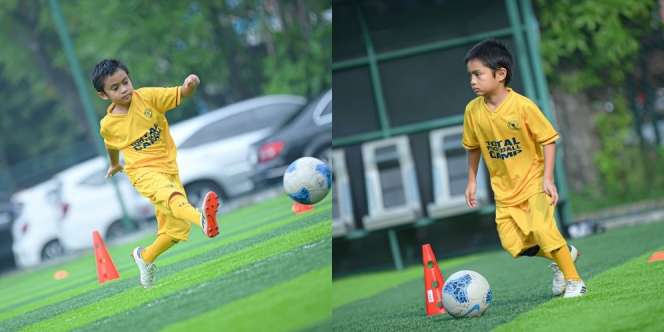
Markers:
(234, 46)
(619, 160)
(299, 63)
(590, 46)
(590, 43)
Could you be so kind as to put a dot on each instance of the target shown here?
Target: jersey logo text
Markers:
(503, 149)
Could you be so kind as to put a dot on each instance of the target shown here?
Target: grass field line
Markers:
(129, 272)
(214, 293)
(288, 306)
(351, 289)
(59, 303)
(33, 275)
(519, 285)
(179, 255)
(624, 298)
(136, 296)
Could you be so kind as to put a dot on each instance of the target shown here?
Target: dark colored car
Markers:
(7, 214)
(307, 133)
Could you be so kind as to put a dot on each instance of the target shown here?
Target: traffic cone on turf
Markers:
(433, 283)
(656, 256)
(301, 208)
(105, 268)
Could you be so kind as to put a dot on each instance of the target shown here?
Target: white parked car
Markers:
(35, 230)
(213, 148)
(89, 202)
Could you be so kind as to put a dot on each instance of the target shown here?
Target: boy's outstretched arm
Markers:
(189, 85)
(114, 157)
(471, 188)
(549, 185)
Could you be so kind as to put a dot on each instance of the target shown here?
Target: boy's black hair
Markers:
(103, 69)
(493, 54)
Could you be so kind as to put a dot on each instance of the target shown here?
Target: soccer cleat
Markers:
(147, 270)
(209, 214)
(559, 283)
(575, 288)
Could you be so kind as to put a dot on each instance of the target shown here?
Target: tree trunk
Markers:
(30, 38)
(231, 47)
(577, 128)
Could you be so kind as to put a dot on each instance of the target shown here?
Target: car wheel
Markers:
(197, 190)
(117, 230)
(51, 250)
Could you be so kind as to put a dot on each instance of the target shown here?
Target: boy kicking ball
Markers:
(518, 146)
(135, 124)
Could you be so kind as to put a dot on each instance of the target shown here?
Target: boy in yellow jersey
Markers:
(135, 124)
(518, 146)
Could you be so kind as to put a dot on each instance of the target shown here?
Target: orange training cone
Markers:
(105, 268)
(433, 283)
(656, 256)
(301, 208)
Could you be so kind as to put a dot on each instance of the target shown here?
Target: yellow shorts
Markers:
(158, 188)
(528, 224)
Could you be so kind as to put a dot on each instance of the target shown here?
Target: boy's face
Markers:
(483, 80)
(117, 88)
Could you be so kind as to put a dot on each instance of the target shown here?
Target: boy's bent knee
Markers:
(173, 195)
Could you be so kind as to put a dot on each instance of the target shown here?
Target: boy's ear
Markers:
(102, 95)
(501, 74)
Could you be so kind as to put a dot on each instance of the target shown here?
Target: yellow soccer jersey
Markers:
(142, 135)
(511, 139)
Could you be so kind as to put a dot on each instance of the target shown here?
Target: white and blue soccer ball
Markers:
(466, 294)
(307, 180)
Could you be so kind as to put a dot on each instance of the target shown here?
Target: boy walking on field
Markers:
(518, 146)
(135, 124)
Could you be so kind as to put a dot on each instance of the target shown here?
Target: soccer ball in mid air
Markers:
(307, 180)
(466, 294)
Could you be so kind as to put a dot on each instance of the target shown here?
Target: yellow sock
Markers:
(545, 255)
(161, 244)
(564, 261)
(181, 209)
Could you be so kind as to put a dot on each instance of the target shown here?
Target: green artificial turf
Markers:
(625, 298)
(260, 252)
(524, 284)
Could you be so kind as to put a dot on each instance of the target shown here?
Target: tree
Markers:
(161, 42)
(589, 48)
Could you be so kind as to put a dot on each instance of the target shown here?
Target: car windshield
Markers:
(304, 114)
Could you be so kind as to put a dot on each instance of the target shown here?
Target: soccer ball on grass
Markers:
(466, 294)
(307, 180)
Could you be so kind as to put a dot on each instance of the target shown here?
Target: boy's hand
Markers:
(113, 169)
(551, 190)
(192, 81)
(471, 200)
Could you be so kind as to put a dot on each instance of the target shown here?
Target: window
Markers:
(391, 183)
(323, 110)
(450, 174)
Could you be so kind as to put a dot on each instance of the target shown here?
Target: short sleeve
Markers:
(539, 126)
(469, 140)
(163, 99)
(109, 141)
